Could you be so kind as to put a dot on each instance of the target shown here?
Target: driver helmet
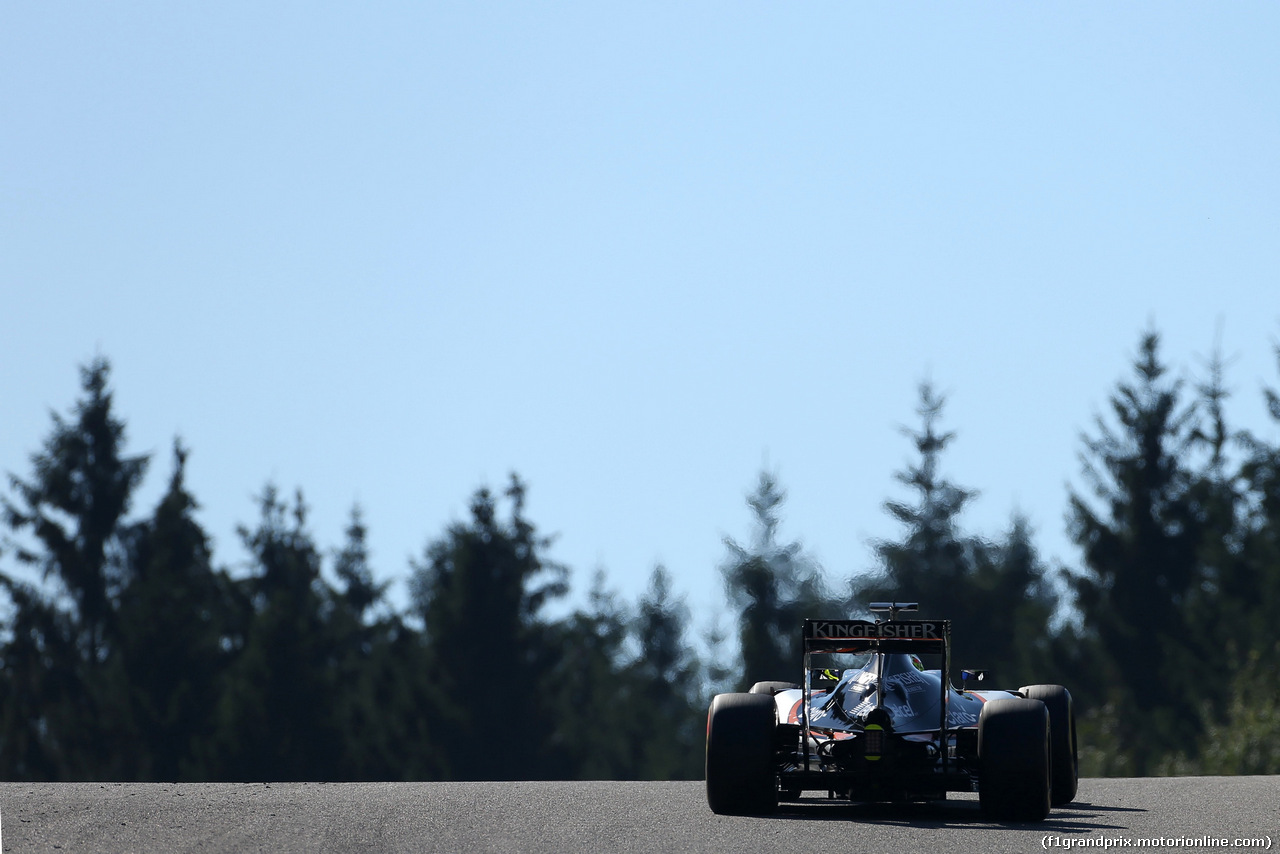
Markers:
(917, 663)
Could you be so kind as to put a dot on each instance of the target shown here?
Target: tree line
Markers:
(136, 656)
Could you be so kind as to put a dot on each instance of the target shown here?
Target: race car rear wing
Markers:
(920, 637)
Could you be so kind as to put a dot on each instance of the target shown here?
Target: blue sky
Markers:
(389, 253)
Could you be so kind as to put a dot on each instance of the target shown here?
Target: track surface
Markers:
(594, 817)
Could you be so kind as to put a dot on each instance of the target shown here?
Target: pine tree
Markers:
(1252, 593)
(69, 706)
(1241, 725)
(1227, 593)
(277, 718)
(360, 592)
(380, 686)
(76, 504)
(994, 592)
(933, 558)
(598, 718)
(666, 674)
(175, 613)
(1142, 542)
(479, 591)
(1012, 606)
(774, 587)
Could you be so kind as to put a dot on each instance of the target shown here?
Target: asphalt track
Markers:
(596, 817)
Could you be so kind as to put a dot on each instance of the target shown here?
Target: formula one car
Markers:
(890, 730)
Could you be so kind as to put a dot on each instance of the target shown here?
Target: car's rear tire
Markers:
(742, 776)
(1063, 752)
(1013, 747)
(772, 687)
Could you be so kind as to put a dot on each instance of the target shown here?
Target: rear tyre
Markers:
(1063, 755)
(1013, 747)
(772, 687)
(742, 776)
